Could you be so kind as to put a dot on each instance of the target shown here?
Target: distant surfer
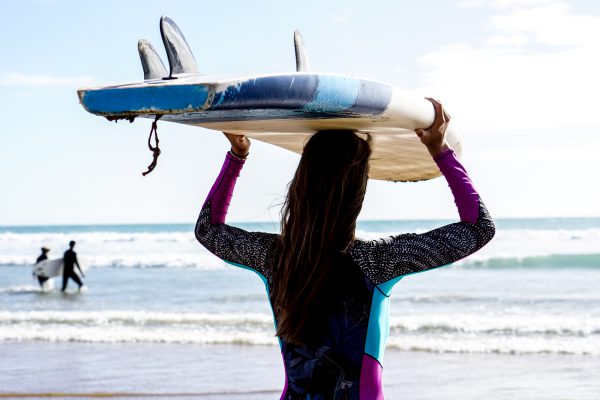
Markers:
(69, 263)
(40, 276)
(329, 290)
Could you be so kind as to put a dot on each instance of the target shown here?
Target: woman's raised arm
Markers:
(389, 258)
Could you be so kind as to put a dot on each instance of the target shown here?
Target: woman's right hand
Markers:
(434, 137)
(240, 144)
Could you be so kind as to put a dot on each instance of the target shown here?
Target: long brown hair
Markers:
(317, 227)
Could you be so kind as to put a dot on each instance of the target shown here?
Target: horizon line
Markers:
(78, 224)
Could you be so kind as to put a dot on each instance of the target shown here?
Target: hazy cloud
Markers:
(39, 80)
(536, 68)
(342, 17)
(521, 3)
(500, 4)
(540, 154)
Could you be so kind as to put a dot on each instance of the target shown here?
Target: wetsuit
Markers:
(345, 359)
(69, 261)
(41, 278)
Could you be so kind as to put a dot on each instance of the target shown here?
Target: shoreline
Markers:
(96, 370)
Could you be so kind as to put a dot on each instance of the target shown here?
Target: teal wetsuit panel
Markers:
(379, 320)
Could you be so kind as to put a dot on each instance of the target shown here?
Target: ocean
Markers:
(158, 305)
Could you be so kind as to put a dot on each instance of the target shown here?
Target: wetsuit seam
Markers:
(246, 267)
(443, 154)
(374, 358)
(381, 291)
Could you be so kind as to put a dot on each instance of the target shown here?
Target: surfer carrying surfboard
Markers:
(70, 260)
(329, 290)
(44, 256)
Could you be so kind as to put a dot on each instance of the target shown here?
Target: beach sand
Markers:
(255, 372)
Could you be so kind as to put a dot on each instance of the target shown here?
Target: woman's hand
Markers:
(434, 137)
(240, 144)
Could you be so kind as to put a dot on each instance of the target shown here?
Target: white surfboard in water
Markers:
(54, 268)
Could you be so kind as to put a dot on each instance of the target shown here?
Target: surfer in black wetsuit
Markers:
(69, 262)
(44, 256)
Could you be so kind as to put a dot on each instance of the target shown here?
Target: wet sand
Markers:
(90, 370)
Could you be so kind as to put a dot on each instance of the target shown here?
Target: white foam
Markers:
(465, 333)
(198, 260)
(480, 324)
(527, 242)
(137, 326)
(20, 289)
(133, 316)
(497, 344)
(181, 250)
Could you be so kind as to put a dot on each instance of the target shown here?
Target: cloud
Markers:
(521, 3)
(536, 67)
(571, 154)
(342, 17)
(500, 4)
(552, 24)
(38, 80)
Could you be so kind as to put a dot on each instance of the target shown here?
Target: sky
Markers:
(519, 78)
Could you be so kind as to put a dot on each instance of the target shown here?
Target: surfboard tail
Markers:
(179, 54)
(152, 64)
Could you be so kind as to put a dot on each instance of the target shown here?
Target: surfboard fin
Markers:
(301, 58)
(152, 64)
(179, 54)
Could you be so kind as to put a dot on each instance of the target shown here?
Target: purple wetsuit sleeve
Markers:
(465, 195)
(222, 191)
(252, 250)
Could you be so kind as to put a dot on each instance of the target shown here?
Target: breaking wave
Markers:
(467, 333)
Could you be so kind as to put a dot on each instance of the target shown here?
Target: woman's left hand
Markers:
(240, 144)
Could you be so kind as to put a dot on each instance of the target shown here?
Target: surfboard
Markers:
(54, 268)
(49, 268)
(283, 109)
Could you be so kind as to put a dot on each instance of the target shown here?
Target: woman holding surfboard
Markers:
(330, 291)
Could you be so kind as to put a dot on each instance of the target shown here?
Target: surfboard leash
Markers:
(154, 149)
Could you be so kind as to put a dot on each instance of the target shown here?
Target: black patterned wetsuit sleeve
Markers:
(250, 249)
(385, 259)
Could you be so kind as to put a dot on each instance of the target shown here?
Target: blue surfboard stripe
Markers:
(151, 98)
(373, 98)
(271, 97)
(307, 93)
(333, 94)
(283, 92)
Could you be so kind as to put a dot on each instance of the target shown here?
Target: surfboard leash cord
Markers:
(154, 149)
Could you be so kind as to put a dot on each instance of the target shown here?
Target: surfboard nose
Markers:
(152, 64)
(179, 54)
